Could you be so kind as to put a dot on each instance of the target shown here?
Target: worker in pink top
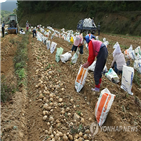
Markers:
(99, 50)
(27, 26)
(78, 42)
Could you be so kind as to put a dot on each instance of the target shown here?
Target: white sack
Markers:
(75, 56)
(103, 106)
(112, 76)
(53, 46)
(137, 65)
(92, 67)
(65, 57)
(80, 79)
(48, 44)
(127, 78)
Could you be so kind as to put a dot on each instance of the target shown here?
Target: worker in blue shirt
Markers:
(34, 32)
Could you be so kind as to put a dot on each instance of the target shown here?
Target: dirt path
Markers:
(52, 84)
(34, 122)
(12, 112)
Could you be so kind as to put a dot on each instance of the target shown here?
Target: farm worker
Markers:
(98, 27)
(38, 26)
(78, 42)
(118, 60)
(27, 26)
(3, 25)
(21, 30)
(34, 31)
(99, 50)
(93, 24)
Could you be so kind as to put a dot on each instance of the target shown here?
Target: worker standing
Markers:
(3, 25)
(98, 27)
(27, 26)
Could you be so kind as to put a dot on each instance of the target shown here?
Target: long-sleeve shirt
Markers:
(120, 61)
(3, 24)
(91, 57)
(93, 48)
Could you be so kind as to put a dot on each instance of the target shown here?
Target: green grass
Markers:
(21, 73)
(20, 60)
(47, 67)
(124, 47)
(7, 90)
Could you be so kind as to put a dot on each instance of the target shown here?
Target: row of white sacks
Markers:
(111, 75)
(66, 35)
(129, 53)
(134, 55)
(80, 79)
(52, 45)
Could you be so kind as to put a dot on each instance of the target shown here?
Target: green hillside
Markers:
(114, 16)
(4, 15)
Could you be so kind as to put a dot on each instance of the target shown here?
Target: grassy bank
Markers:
(20, 60)
(118, 23)
(7, 89)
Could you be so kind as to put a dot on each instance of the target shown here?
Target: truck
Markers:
(86, 25)
(12, 24)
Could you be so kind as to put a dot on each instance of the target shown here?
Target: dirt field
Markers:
(23, 117)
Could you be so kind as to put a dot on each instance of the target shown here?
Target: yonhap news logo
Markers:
(94, 129)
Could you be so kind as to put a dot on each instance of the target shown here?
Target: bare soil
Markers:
(22, 118)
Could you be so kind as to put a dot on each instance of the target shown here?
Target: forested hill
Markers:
(122, 17)
(35, 6)
(4, 15)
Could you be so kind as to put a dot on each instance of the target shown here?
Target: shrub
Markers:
(7, 90)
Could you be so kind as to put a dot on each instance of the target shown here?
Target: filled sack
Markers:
(127, 78)
(138, 50)
(112, 76)
(92, 67)
(58, 53)
(137, 65)
(75, 56)
(65, 57)
(53, 46)
(48, 44)
(80, 79)
(103, 106)
(130, 53)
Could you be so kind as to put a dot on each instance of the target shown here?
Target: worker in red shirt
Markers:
(99, 50)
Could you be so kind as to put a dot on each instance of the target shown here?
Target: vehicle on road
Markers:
(12, 24)
(87, 25)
